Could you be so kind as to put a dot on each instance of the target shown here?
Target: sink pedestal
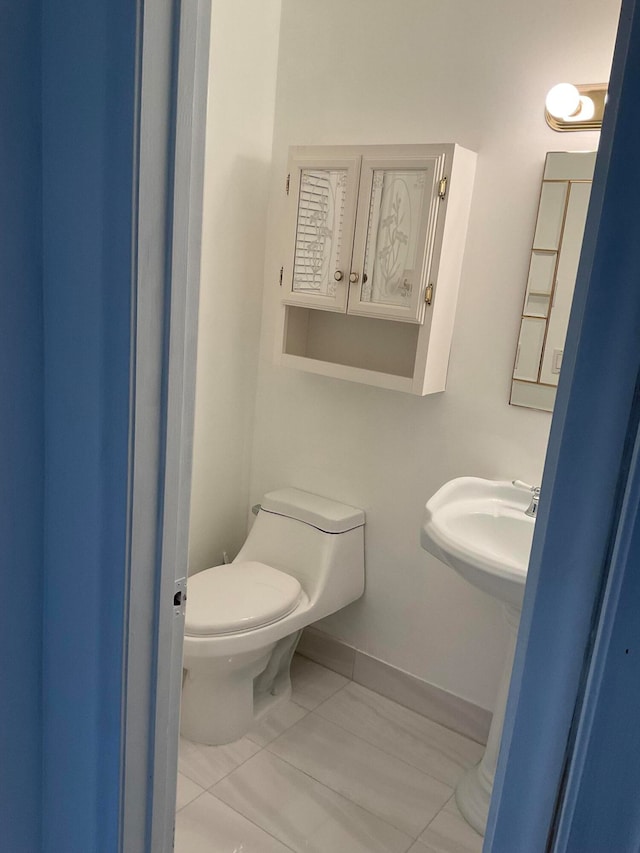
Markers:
(473, 792)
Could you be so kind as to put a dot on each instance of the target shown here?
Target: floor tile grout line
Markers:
(413, 844)
(436, 815)
(197, 797)
(316, 711)
(457, 816)
(262, 746)
(238, 766)
(248, 819)
(244, 761)
(326, 698)
(351, 680)
(367, 743)
(382, 749)
(405, 708)
(209, 790)
(192, 780)
(345, 797)
(403, 705)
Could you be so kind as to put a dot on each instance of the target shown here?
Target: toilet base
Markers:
(217, 701)
(223, 698)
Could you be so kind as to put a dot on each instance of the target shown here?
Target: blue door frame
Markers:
(569, 755)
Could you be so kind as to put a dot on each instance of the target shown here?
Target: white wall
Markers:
(244, 49)
(393, 71)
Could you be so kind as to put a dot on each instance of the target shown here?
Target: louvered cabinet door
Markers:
(322, 207)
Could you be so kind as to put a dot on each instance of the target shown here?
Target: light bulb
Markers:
(563, 100)
(587, 108)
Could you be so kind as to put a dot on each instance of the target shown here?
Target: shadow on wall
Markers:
(234, 223)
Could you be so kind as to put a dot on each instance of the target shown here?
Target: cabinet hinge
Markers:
(288, 183)
(442, 190)
(281, 274)
(428, 294)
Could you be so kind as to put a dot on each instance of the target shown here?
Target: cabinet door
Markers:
(396, 225)
(322, 199)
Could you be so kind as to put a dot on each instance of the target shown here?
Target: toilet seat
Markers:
(238, 597)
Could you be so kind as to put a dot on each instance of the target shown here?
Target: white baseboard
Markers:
(433, 702)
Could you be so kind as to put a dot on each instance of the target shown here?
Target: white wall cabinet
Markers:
(374, 243)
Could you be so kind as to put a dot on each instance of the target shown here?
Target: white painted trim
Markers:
(149, 249)
(172, 83)
(190, 126)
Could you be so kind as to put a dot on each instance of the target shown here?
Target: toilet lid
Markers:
(237, 597)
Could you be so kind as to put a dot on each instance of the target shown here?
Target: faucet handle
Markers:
(519, 484)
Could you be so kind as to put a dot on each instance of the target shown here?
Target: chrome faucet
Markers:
(532, 509)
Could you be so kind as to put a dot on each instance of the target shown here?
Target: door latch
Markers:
(180, 597)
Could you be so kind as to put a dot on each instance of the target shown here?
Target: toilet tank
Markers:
(317, 540)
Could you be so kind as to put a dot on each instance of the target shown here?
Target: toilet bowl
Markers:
(303, 559)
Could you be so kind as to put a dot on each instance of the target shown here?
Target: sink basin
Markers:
(479, 528)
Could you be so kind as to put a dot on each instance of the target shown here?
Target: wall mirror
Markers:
(557, 241)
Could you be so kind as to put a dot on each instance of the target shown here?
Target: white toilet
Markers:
(302, 560)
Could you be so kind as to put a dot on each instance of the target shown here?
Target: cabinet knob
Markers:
(354, 278)
(338, 275)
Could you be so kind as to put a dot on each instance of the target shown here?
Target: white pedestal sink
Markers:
(480, 529)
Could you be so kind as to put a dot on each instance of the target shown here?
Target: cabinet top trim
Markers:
(399, 151)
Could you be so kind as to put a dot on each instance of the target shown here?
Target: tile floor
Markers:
(339, 769)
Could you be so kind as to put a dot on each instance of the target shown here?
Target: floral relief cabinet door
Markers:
(395, 235)
(322, 207)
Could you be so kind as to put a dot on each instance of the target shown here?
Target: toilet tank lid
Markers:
(323, 513)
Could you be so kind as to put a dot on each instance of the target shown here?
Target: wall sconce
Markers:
(569, 107)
